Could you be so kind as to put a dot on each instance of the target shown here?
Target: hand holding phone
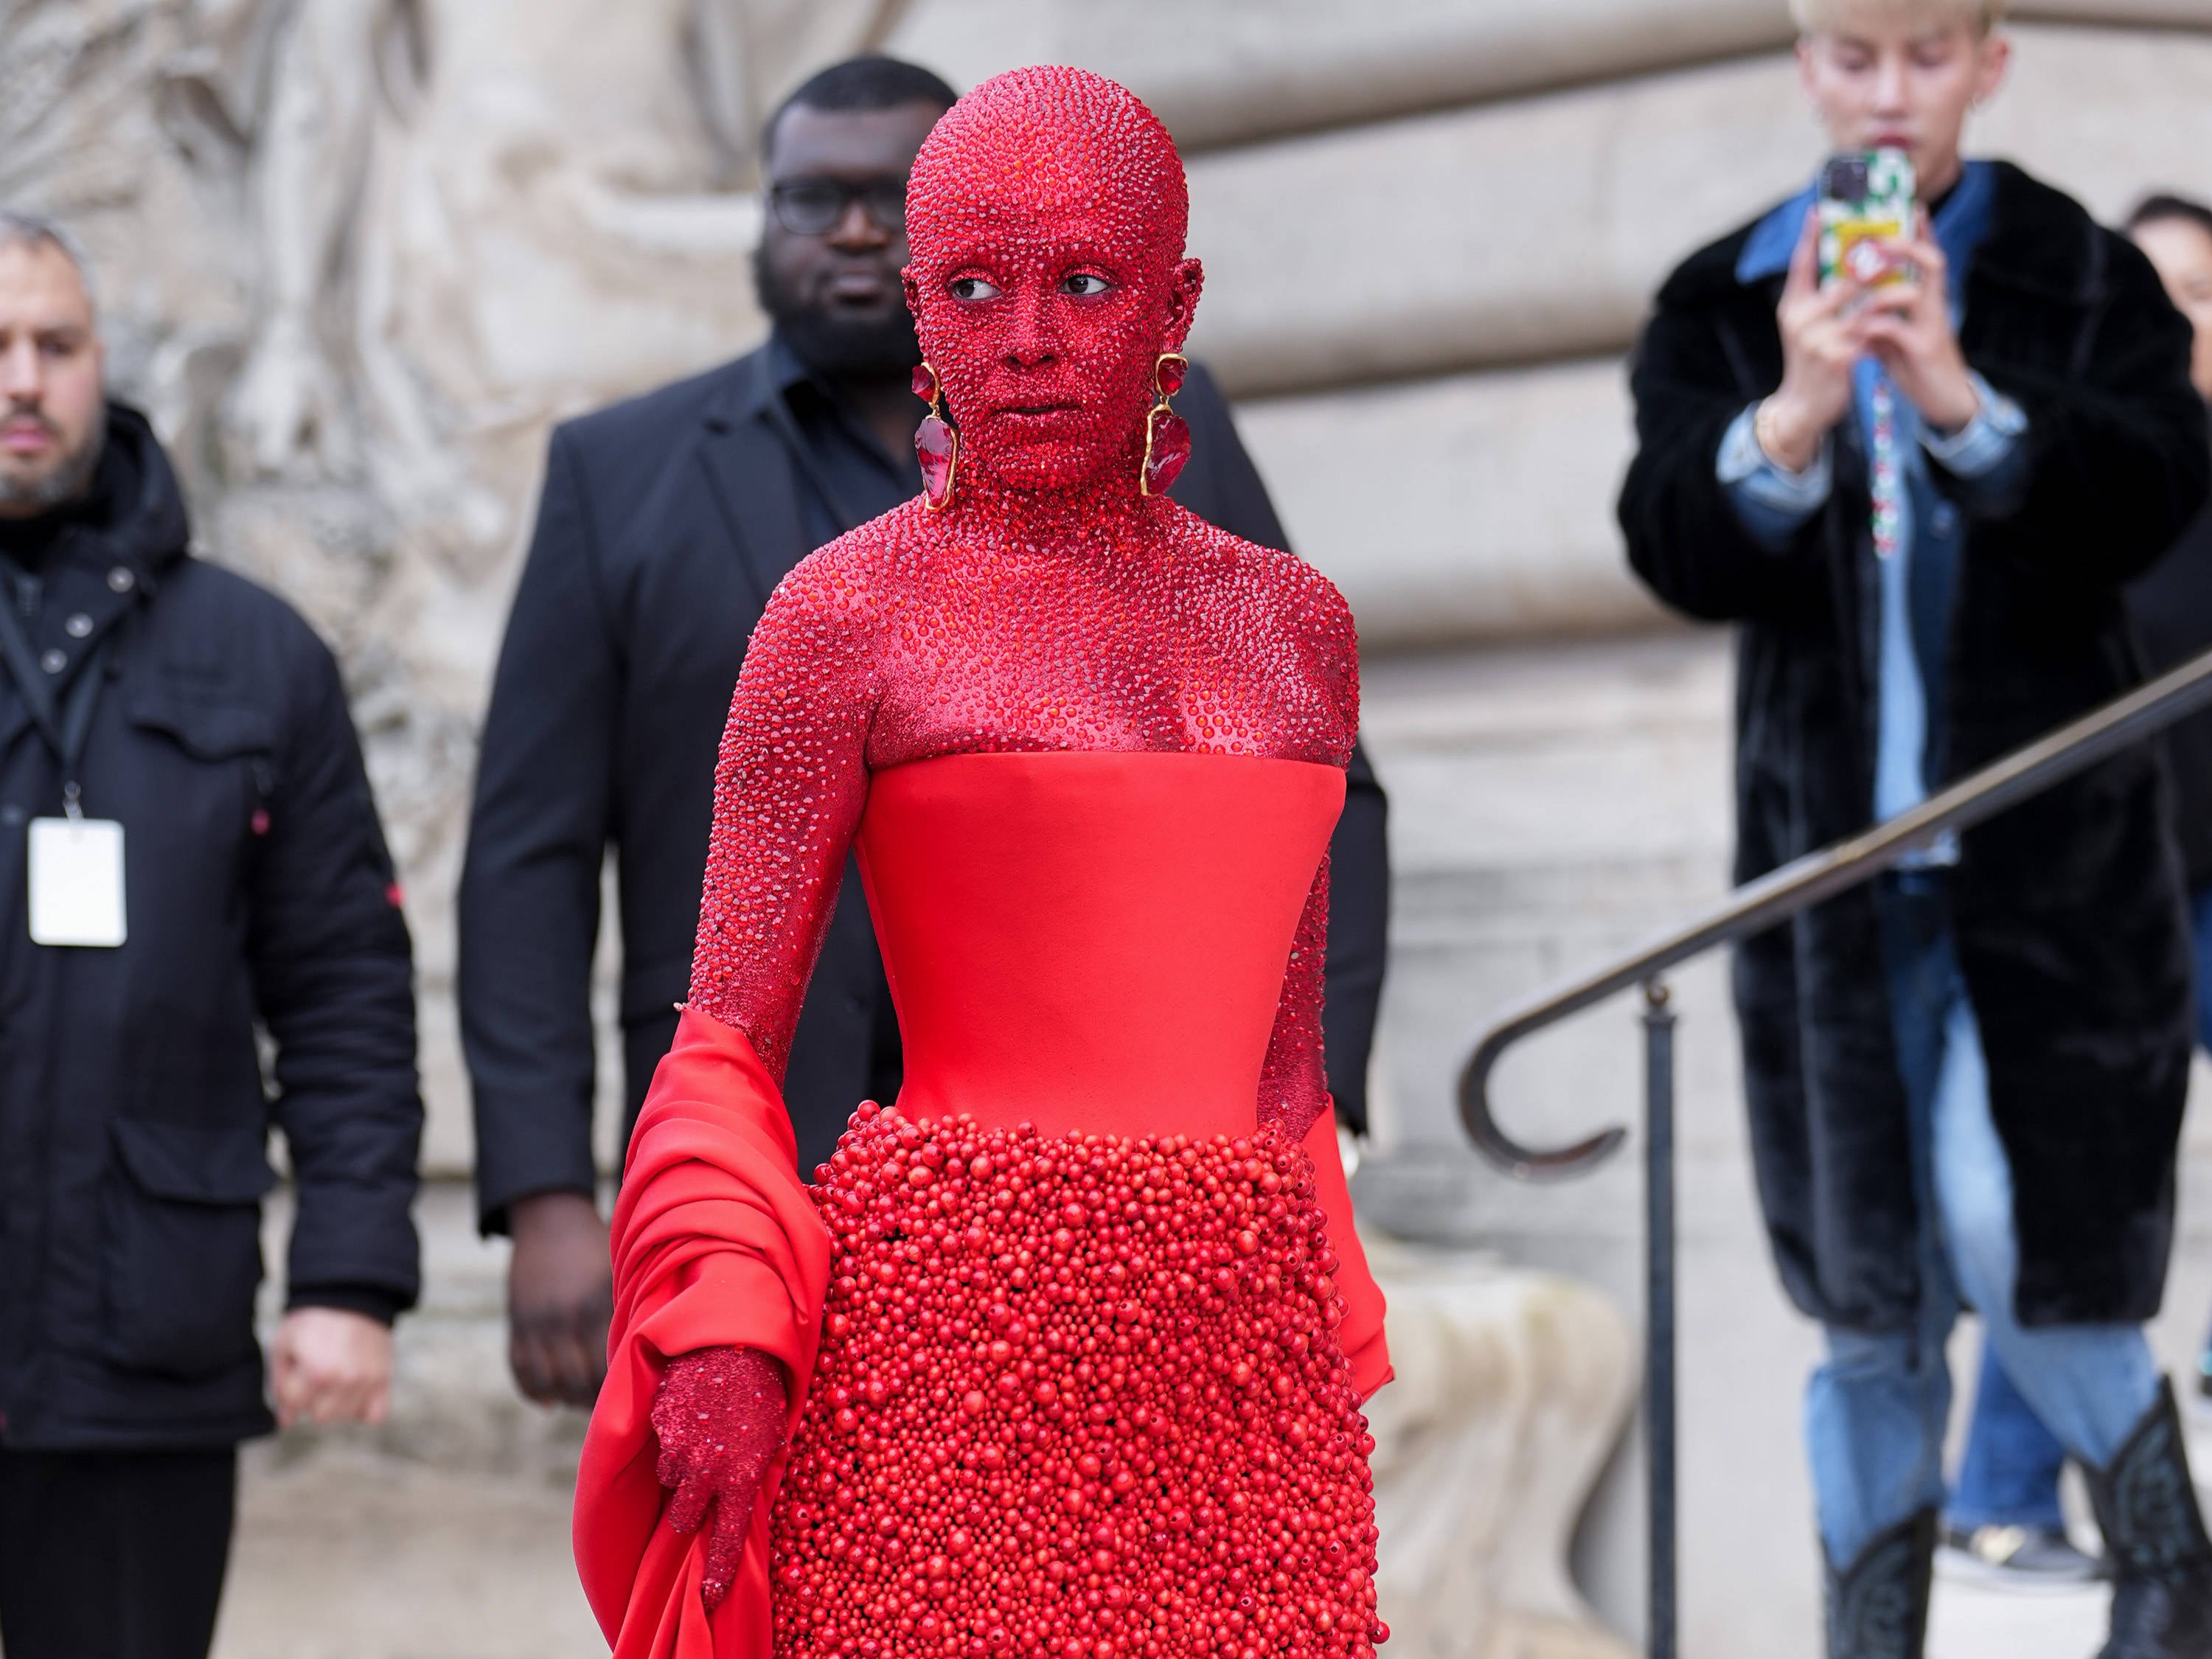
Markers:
(1820, 347)
(1868, 279)
(1908, 327)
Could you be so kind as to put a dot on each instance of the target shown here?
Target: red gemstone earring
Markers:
(1167, 434)
(936, 442)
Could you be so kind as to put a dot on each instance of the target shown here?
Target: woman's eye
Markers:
(973, 288)
(1085, 283)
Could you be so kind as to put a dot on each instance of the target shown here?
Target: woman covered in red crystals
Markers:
(1063, 1355)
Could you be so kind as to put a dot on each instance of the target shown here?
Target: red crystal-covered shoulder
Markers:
(923, 635)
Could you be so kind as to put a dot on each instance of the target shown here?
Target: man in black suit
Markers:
(664, 524)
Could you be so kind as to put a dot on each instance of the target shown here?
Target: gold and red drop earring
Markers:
(936, 440)
(1167, 434)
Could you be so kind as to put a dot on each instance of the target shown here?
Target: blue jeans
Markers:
(1876, 1410)
(2008, 1475)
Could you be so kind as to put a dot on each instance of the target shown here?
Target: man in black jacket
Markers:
(1920, 500)
(665, 524)
(188, 850)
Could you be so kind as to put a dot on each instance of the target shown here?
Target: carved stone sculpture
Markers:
(357, 256)
(1511, 1390)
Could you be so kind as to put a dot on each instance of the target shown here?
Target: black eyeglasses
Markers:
(815, 207)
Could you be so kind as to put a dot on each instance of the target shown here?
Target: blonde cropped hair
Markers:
(1816, 16)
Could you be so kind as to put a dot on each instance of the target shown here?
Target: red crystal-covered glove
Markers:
(720, 1415)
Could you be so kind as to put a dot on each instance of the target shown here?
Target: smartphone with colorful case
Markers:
(1864, 197)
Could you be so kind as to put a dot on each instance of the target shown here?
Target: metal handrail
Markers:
(1758, 905)
(1803, 882)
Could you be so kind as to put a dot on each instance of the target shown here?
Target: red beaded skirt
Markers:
(1079, 1397)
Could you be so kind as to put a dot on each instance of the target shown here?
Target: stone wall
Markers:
(1531, 232)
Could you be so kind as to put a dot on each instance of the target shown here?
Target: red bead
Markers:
(1072, 1458)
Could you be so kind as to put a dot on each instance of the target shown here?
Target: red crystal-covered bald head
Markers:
(1046, 217)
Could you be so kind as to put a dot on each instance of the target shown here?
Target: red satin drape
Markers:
(716, 1245)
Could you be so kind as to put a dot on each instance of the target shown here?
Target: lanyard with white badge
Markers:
(76, 870)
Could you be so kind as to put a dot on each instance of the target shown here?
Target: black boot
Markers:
(1878, 1606)
(2154, 1537)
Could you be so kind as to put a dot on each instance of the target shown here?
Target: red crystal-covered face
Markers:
(1046, 217)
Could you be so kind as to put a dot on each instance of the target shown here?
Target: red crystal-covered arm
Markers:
(789, 789)
(1294, 1081)
(788, 793)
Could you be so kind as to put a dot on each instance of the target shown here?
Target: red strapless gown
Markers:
(1077, 1342)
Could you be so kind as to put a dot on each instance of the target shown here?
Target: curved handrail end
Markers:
(1521, 1163)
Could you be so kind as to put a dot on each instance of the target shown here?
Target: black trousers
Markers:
(114, 1555)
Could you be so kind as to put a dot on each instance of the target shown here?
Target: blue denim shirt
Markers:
(1981, 462)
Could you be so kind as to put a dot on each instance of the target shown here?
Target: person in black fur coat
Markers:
(1919, 503)
(2004, 1511)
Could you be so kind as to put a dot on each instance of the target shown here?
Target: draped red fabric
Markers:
(1360, 1333)
(715, 1244)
